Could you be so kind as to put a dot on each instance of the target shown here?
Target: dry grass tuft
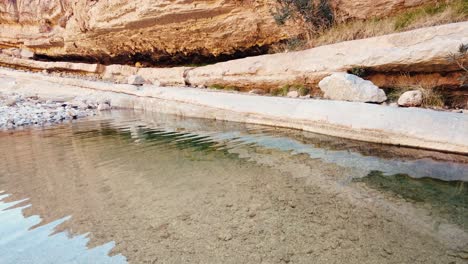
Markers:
(432, 98)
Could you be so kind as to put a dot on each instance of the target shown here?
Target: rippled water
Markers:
(150, 188)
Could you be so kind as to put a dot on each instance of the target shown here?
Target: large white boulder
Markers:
(411, 98)
(348, 87)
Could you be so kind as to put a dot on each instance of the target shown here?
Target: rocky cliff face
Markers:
(119, 28)
(116, 31)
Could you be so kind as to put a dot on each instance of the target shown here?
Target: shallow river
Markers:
(149, 188)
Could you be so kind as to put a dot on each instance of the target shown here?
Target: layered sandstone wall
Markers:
(421, 52)
(159, 30)
(154, 28)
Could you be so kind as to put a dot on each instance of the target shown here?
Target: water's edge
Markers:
(412, 127)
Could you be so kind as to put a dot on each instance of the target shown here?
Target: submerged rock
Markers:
(411, 98)
(348, 87)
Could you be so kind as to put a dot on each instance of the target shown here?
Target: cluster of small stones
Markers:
(17, 110)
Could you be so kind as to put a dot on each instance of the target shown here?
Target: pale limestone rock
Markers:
(293, 94)
(12, 52)
(421, 50)
(26, 54)
(257, 91)
(348, 87)
(103, 107)
(411, 98)
(135, 80)
(164, 76)
(10, 101)
(156, 83)
(51, 65)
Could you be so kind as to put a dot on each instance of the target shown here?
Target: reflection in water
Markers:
(21, 243)
(159, 189)
(449, 199)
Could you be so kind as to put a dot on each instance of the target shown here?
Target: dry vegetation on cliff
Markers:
(430, 15)
(325, 33)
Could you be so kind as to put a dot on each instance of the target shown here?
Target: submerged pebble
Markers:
(17, 110)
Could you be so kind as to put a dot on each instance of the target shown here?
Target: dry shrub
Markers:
(432, 97)
(460, 58)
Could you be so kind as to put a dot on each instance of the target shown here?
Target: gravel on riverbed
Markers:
(18, 110)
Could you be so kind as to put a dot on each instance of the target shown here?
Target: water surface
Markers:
(151, 188)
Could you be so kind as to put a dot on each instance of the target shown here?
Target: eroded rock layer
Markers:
(158, 29)
(121, 31)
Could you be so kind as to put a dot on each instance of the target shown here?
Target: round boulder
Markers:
(411, 98)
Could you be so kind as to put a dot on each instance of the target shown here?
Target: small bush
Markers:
(432, 98)
(317, 13)
(460, 58)
(359, 71)
(303, 91)
(282, 15)
(461, 7)
(283, 91)
(295, 44)
(404, 20)
(217, 86)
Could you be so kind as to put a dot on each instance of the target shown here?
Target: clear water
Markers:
(151, 188)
